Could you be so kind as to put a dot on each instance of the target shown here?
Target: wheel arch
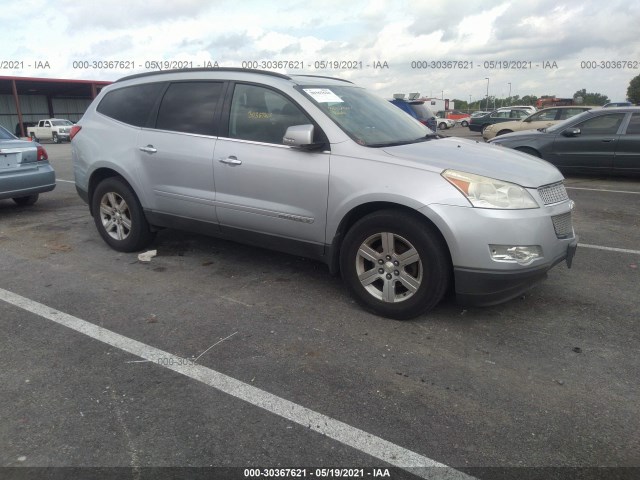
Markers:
(529, 150)
(362, 210)
(101, 174)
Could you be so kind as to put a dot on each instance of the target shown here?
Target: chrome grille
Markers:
(562, 225)
(555, 193)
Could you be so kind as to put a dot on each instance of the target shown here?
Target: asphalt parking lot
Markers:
(219, 354)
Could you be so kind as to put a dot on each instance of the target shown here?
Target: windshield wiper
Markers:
(427, 137)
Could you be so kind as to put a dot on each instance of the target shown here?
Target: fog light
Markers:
(522, 255)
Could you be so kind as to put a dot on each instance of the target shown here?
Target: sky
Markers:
(442, 49)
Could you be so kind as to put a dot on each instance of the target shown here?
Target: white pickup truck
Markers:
(56, 129)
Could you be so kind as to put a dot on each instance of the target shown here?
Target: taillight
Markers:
(74, 130)
(42, 154)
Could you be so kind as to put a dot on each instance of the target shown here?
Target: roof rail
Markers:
(322, 76)
(216, 69)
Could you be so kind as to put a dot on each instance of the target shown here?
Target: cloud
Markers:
(124, 14)
(396, 31)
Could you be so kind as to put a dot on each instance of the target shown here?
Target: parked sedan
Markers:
(597, 141)
(541, 119)
(25, 171)
(479, 123)
(459, 117)
(445, 123)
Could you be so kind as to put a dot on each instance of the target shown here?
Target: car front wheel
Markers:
(464, 123)
(118, 216)
(55, 138)
(442, 126)
(395, 265)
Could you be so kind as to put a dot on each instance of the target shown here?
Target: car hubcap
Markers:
(389, 267)
(115, 216)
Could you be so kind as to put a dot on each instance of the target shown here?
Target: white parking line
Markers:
(609, 249)
(364, 442)
(65, 181)
(601, 190)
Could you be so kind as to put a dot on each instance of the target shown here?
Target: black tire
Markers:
(442, 126)
(118, 216)
(365, 255)
(464, 123)
(26, 201)
(502, 132)
(529, 150)
(55, 138)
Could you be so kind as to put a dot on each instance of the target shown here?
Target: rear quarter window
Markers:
(131, 105)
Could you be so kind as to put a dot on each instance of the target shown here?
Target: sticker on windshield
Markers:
(323, 95)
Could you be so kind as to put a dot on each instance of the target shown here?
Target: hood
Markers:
(480, 158)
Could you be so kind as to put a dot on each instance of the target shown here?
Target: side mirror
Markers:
(571, 132)
(300, 136)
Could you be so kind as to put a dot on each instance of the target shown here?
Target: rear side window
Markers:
(634, 125)
(190, 107)
(131, 105)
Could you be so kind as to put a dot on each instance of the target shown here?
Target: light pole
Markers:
(469, 105)
(509, 93)
(487, 79)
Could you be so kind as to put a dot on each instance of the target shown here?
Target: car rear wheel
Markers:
(442, 125)
(118, 216)
(26, 201)
(464, 123)
(395, 265)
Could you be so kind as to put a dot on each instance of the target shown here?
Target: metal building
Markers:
(24, 100)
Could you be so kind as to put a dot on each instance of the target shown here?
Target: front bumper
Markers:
(485, 287)
(481, 279)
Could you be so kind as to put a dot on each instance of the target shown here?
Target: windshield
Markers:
(60, 123)
(368, 119)
(563, 124)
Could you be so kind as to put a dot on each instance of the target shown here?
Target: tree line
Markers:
(588, 98)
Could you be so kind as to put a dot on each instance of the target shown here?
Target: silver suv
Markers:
(319, 167)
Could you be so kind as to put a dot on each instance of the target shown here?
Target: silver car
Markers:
(25, 171)
(319, 167)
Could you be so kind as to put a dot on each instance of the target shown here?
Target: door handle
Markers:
(231, 161)
(608, 140)
(148, 149)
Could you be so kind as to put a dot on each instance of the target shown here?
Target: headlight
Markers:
(485, 192)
